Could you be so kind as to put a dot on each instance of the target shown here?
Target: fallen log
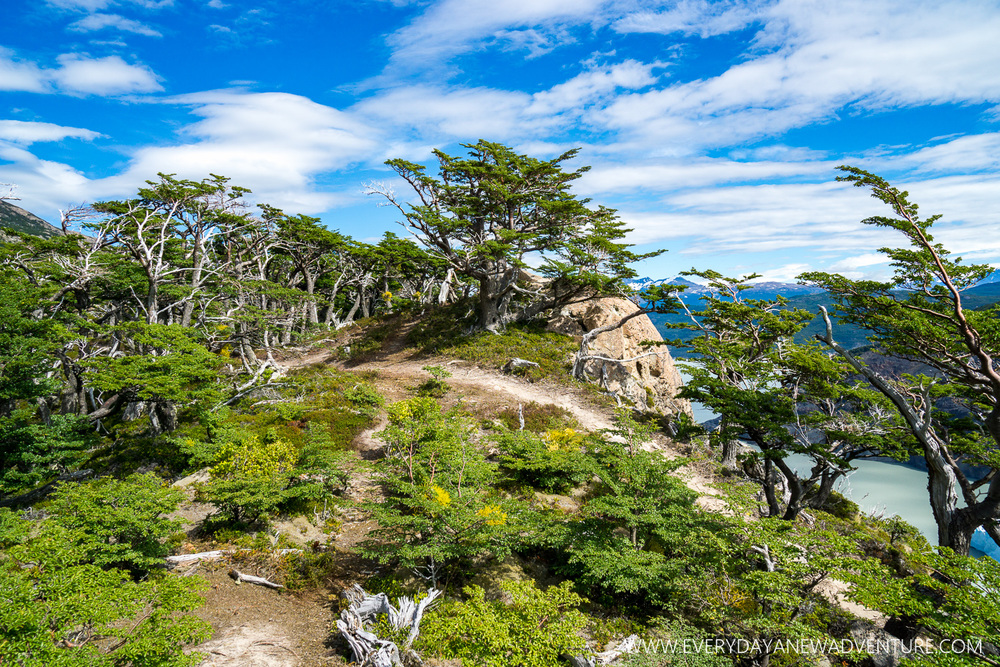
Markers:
(180, 559)
(240, 578)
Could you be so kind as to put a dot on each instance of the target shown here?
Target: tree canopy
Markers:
(487, 214)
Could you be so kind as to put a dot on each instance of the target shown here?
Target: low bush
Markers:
(554, 464)
(59, 608)
(123, 520)
(255, 477)
(527, 628)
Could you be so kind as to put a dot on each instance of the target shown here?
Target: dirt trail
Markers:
(398, 367)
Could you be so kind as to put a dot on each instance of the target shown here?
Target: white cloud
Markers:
(43, 186)
(111, 75)
(671, 176)
(783, 274)
(698, 17)
(77, 74)
(450, 27)
(813, 59)
(594, 85)
(217, 4)
(95, 22)
(855, 262)
(273, 143)
(96, 5)
(792, 219)
(19, 75)
(25, 133)
(463, 113)
(975, 152)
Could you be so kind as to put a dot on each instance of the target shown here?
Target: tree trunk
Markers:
(445, 292)
(491, 315)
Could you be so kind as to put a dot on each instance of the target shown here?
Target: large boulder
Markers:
(650, 382)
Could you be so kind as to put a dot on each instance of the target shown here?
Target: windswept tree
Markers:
(784, 397)
(485, 214)
(920, 315)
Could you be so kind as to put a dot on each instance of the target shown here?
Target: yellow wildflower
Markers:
(440, 496)
(493, 514)
(564, 440)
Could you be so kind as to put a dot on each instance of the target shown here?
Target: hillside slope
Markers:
(21, 220)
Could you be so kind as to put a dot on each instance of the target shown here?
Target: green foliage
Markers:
(486, 212)
(950, 597)
(62, 609)
(637, 536)
(775, 391)
(436, 386)
(555, 462)
(528, 627)
(442, 505)
(170, 364)
(255, 477)
(437, 334)
(34, 452)
(26, 342)
(538, 417)
(122, 520)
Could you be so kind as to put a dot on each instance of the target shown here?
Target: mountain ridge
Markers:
(21, 220)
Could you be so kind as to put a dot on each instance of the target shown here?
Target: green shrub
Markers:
(436, 385)
(528, 628)
(442, 506)
(538, 417)
(441, 332)
(841, 507)
(552, 464)
(123, 520)
(59, 608)
(33, 453)
(255, 477)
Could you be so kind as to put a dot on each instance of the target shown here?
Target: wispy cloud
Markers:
(825, 58)
(95, 22)
(693, 17)
(274, 143)
(450, 27)
(26, 133)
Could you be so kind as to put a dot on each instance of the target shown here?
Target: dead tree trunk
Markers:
(355, 623)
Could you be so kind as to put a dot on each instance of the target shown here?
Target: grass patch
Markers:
(538, 418)
(444, 332)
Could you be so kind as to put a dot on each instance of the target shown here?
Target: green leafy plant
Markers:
(436, 386)
(60, 608)
(442, 505)
(255, 477)
(528, 627)
(553, 463)
(123, 521)
(637, 534)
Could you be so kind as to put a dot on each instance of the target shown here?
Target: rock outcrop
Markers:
(650, 382)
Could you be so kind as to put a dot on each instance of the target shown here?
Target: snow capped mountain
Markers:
(758, 290)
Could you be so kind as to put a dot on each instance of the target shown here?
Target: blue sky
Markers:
(713, 127)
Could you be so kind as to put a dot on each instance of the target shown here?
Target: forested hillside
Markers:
(218, 419)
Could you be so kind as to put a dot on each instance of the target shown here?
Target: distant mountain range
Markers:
(984, 294)
(18, 219)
